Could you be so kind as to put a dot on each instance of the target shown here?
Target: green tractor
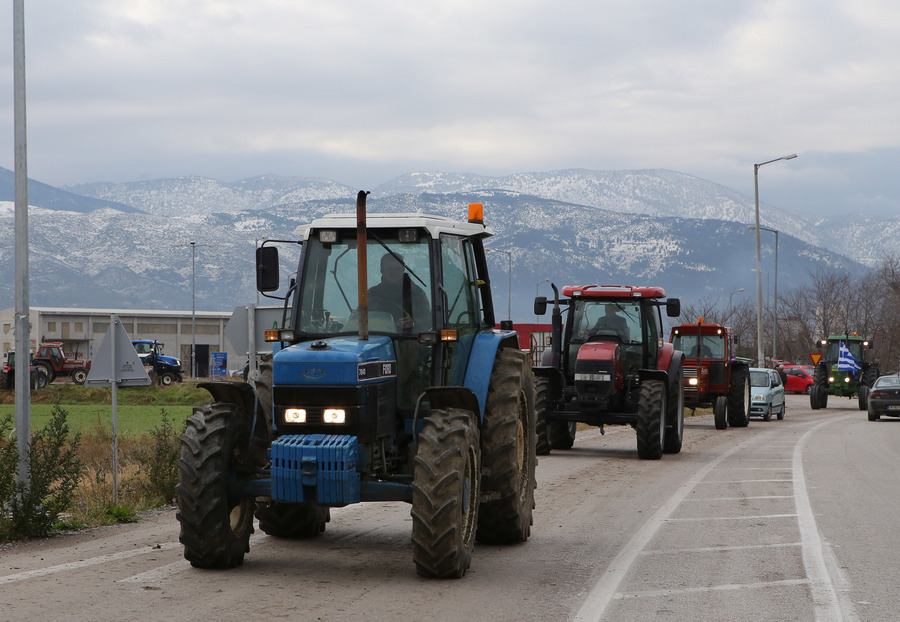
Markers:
(843, 370)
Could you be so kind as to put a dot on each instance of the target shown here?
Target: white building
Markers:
(82, 330)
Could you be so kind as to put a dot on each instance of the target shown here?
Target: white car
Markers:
(767, 391)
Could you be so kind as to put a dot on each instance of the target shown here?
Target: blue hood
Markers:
(335, 361)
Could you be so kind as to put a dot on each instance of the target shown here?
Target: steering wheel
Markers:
(394, 308)
(606, 335)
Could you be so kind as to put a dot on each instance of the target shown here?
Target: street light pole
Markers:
(193, 314)
(775, 306)
(732, 294)
(760, 354)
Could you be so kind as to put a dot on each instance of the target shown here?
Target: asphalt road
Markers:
(783, 520)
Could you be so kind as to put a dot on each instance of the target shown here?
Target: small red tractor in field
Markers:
(57, 363)
(610, 365)
(713, 376)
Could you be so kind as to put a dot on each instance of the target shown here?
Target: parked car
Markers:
(798, 380)
(767, 393)
(884, 397)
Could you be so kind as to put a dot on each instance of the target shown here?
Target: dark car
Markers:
(884, 398)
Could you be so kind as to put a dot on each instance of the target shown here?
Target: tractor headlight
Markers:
(830, 379)
(692, 382)
(295, 415)
(847, 379)
(334, 415)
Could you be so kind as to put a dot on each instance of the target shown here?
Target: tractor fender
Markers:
(676, 360)
(240, 393)
(654, 374)
(666, 354)
(481, 362)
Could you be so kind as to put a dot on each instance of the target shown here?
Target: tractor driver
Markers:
(398, 295)
(611, 321)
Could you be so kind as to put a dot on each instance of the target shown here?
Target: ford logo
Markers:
(314, 372)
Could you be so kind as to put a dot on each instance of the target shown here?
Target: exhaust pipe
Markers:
(362, 265)
(556, 331)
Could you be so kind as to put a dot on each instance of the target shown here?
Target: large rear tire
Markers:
(541, 405)
(215, 524)
(446, 493)
(720, 410)
(651, 420)
(48, 371)
(292, 520)
(508, 452)
(675, 414)
(263, 386)
(739, 397)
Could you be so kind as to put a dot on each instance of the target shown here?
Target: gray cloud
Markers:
(362, 92)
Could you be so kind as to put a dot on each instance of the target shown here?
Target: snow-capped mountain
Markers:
(109, 258)
(658, 193)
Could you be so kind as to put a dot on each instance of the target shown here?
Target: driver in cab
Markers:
(398, 295)
(609, 322)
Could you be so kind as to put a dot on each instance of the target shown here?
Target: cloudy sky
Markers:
(362, 91)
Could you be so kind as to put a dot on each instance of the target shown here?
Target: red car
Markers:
(799, 379)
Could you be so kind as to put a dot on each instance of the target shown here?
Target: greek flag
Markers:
(846, 362)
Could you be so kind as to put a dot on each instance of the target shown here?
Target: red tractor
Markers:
(57, 363)
(610, 365)
(713, 376)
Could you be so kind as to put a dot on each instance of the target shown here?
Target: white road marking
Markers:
(747, 517)
(604, 591)
(716, 549)
(827, 605)
(710, 588)
(102, 559)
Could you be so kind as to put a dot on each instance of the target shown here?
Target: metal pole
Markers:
(114, 381)
(761, 359)
(760, 355)
(23, 329)
(509, 286)
(193, 315)
(775, 323)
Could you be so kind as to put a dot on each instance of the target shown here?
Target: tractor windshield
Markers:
(855, 348)
(142, 347)
(711, 346)
(399, 283)
(606, 318)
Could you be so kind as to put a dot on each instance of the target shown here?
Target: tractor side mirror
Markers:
(673, 307)
(540, 305)
(267, 268)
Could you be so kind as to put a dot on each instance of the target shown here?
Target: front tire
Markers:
(767, 416)
(292, 520)
(215, 524)
(651, 421)
(167, 379)
(79, 375)
(720, 409)
(446, 493)
(739, 397)
(675, 415)
(562, 434)
(508, 452)
(541, 425)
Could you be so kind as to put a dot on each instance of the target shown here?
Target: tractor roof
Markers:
(850, 337)
(435, 225)
(613, 291)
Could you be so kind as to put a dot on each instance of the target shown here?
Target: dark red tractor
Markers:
(609, 364)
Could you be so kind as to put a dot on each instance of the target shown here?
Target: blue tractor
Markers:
(168, 369)
(385, 385)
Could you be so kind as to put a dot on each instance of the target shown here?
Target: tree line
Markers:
(831, 303)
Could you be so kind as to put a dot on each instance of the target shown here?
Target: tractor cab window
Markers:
(398, 281)
(461, 303)
(607, 318)
(142, 348)
(855, 348)
(710, 346)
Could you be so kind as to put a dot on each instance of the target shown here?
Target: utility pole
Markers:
(23, 312)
